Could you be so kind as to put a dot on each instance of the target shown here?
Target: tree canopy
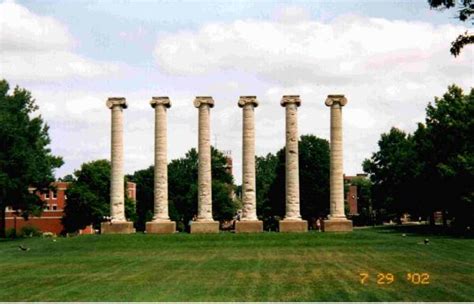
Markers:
(433, 169)
(88, 197)
(25, 157)
(465, 13)
(182, 190)
(314, 181)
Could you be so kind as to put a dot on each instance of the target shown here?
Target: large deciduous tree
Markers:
(182, 190)
(465, 13)
(314, 181)
(433, 169)
(25, 158)
(88, 197)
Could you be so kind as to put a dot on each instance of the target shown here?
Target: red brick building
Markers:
(50, 219)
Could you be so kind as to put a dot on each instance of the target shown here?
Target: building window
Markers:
(55, 207)
(54, 196)
(46, 195)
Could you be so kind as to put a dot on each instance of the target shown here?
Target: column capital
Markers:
(116, 101)
(160, 100)
(289, 99)
(245, 100)
(200, 100)
(336, 99)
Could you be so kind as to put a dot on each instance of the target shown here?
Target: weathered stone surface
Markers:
(117, 205)
(205, 227)
(248, 226)
(337, 225)
(161, 104)
(292, 186)
(117, 228)
(204, 103)
(287, 225)
(159, 227)
(249, 202)
(336, 102)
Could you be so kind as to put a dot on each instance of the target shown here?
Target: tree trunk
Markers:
(2, 219)
(432, 219)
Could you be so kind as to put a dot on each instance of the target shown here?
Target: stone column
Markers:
(249, 221)
(118, 223)
(337, 219)
(204, 222)
(161, 222)
(292, 221)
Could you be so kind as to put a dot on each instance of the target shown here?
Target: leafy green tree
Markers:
(392, 170)
(465, 13)
(445, 145)
(314, 180)
(25, 158)
(88, 197)
(182, 189)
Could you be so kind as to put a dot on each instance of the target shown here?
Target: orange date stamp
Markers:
(387, 278)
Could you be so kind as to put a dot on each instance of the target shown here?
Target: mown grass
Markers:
(229, 267)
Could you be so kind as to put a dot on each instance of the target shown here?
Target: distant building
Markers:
(50, 219)
(352, 193)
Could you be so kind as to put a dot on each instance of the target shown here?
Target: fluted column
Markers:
(248, 105)
(117, 203)
(118, 223)
(161, 104)
(337, 220)
(292, 221)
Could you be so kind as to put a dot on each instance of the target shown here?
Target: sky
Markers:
(388, 58)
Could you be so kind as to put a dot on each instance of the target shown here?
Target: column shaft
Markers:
(336, 164)
(204, 173)
(117, 204)
(292, 184)
(249, 211)
(161, 165)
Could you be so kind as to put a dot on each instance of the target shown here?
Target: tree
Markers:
(182, 190)
(392, 170)
(89, 197)
(445, 146)
(314, 180)
(465, 12)
(25, 158)
(431, 170)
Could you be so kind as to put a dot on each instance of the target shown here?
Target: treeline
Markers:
(430, 170)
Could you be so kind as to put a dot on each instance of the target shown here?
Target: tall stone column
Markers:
(337, 219)
(118, 223)
(204, 222)
(249, 221)
(161, 222)
(292, 221)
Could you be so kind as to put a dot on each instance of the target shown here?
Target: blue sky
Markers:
(389, 58)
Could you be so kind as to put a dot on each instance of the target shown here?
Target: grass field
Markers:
(229, 267)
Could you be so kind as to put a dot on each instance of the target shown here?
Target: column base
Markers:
(293, 225)
(117, 228)
(248, 226)
(161, 227)
(205, 227)
(337, 225)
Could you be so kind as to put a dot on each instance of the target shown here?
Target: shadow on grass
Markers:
(426, 230)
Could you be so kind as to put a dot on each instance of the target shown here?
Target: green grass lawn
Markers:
(230, 267)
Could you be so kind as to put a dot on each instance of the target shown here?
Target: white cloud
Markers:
(34, 47)
(388, 69)
(349, 49)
